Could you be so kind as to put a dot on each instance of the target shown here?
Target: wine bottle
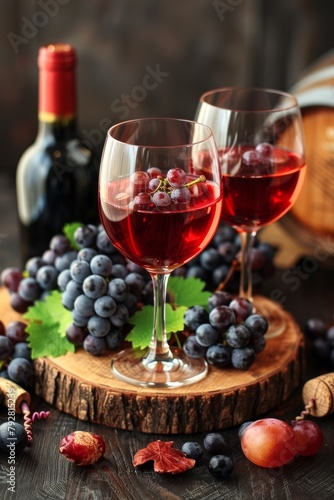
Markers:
(57, 176)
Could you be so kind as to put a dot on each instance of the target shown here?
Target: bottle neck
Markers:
(57, 92)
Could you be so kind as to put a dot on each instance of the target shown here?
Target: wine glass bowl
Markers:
(159, 209)
(260, 145)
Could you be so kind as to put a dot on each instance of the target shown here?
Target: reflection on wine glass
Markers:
(159, 210)
(259, 138)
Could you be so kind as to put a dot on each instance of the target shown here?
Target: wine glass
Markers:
(159, 210)
(259, 137)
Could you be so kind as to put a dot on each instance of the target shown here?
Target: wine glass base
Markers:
(273, 313)
(178, 371)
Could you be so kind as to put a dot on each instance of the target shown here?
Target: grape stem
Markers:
(235, 264)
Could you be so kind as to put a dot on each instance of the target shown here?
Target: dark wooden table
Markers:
(42, 473)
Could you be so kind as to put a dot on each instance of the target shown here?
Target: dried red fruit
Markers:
(82, 448)
(166, 458)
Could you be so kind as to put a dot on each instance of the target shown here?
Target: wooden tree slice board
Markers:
(83, 386)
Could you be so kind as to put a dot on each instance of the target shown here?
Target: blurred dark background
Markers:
(194, 45)
(191, 45)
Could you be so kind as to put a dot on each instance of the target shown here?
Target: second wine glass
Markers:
(159, 210)
(260, 144)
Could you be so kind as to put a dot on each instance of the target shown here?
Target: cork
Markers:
(321, 390)
(13, 395)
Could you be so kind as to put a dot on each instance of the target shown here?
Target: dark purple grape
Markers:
(257, 325)
(219, 298)
(46, 277)
(142, 201)
(242, 308)
(222, 317)
(243, 358)
(114, 338)
(215, 443)
(76, 334)
(80, 270)
(258, 344)
(94, 286)
(192, 348)
(13, 437)
(315, 328)
(16, 331)
(120, 316)
(98, 327)
(6, 348)
(64, 277)
(94, 345)
(84, 305)
(135, 283)
(206, 335)
(105, 306)
(33, 264)
(193, 450)
(118, 289)
(21, 371)
(11, 277)
(101, 265)
(221, 466)
(218, 355)
(210, 259)
(195, 316)
(49, 257)
(29, 289)
(86, 254)
(238, 336)
(65, 260)
(85, 236)
(18, 304)
(22, 350)
(228, 251)
(60, 244)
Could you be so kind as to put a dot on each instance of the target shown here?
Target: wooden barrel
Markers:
(311, 219)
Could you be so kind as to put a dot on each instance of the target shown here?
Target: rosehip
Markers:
(82, 448)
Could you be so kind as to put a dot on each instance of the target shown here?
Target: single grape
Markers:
(16, 331)
(98, 327)
(94, 286)
(195, 316)
(206, 335)
(242, 308)
(59, 244)
(176, 177)
(193, 450)
(139, 181)
(21, 371)
(84, 305)
(192, 348)
(221, 318)
(135, 283)
(265, 150)
(315, 328)
(120, 316)
(80, 270)
(101, 265)
(22, 350)
(64, 277)
(114, 338)
(85, 236)
(29, 289)
(46, 277)
(238, 336)
(242, 358)
(219, 298)
(104, 244)
(153, 172)
(94, 345)
(269, 442)
(180, 195)
(221, 466)
(105, 306)
(258, 344)
(308, 437)
(210, 259)
(161, 199)
(73, 289)
(196, 271)
(215, 443)
(257, 325)
(18, 304)
(49, 257)
(218, 355)
(154, 184)
(76, 334)
(228, 251)
(142, 201)
(13, 436)
(118, 289)
(118, 271)
(6, 348)
(11, 277)
(79, 319)
(251, 158)
(130, 302)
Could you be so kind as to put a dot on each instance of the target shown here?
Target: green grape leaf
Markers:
(69, 230)
(48, 321)
(188, 291)
(141, 333)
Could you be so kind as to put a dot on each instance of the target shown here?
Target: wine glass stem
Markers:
(159, 349)
(247, 241)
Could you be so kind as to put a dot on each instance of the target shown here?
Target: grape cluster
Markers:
(228, 334)
(101, 292)
(153, 190)
(321, 337)
(15, 354)
(99, 286)
(219, 262)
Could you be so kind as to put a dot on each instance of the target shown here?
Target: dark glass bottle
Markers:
(57, 177)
